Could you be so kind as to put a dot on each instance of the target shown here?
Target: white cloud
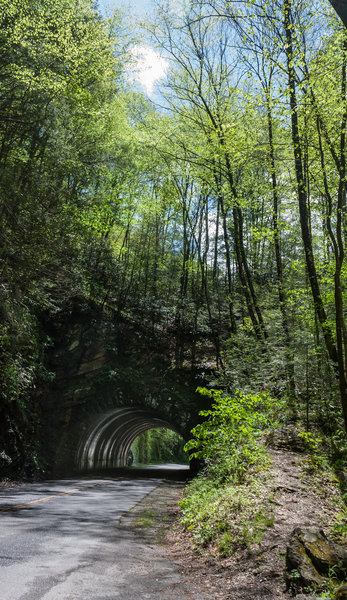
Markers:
(149, 67)
(179, 7)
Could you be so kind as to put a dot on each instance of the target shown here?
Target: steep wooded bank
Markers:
(219, 218)
(251, 555)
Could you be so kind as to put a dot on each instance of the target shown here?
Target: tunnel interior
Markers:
(107, 442)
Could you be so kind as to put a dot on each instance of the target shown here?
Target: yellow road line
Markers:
(47, 498)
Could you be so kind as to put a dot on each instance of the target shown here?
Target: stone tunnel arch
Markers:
(107, 442)
(113, 379)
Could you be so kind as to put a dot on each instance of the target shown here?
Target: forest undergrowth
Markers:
(231, 508)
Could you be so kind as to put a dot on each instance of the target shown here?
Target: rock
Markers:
(341, 593)
(309, 558)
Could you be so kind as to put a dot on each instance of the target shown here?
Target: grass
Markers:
(145, 520)
(230, 516)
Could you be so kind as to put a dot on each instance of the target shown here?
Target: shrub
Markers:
(229, 503)
(228, 441)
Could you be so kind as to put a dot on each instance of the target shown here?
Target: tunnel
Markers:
(113, 381)
(107, 442)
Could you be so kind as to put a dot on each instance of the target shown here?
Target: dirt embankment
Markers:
(300, 498)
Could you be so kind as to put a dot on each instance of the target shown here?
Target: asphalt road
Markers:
(65, 540)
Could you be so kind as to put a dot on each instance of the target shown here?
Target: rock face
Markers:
(311, 557)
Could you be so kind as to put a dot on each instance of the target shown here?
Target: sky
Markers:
(150, 66)
(139, 6)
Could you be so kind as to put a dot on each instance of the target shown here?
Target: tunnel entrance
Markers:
(115, 436)
(113, 380)
(158, 446)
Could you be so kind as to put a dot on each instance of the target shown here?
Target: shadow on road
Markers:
(171, 472)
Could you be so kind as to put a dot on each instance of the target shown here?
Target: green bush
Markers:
(228, 441)
(229, 503)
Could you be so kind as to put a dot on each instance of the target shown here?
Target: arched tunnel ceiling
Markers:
(107, 442)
